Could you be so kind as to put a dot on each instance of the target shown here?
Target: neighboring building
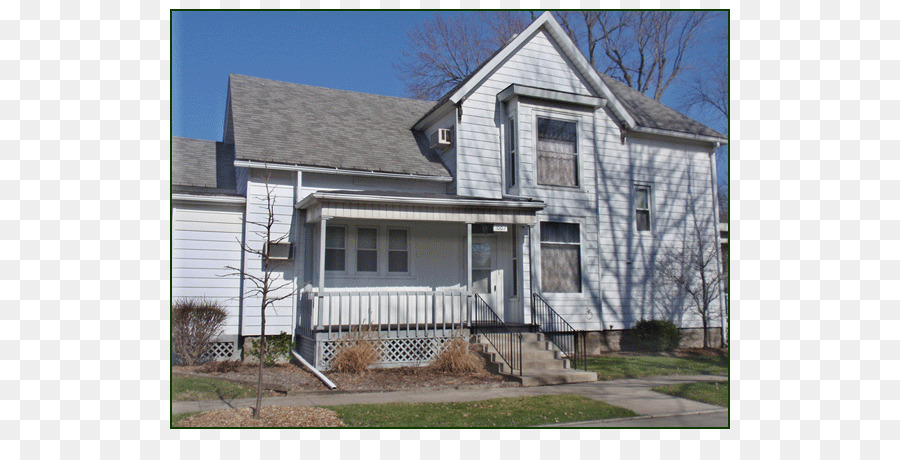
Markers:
(537, 181)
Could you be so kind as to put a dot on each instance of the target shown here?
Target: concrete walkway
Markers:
(634, 394)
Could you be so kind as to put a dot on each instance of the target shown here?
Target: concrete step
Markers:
(534, 379)
(544, 364)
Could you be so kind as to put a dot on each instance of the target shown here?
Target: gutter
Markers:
(345, 172)
(218, 199)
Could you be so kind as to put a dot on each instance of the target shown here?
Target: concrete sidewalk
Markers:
(634, 394)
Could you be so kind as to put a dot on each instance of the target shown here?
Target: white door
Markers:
(487, 277)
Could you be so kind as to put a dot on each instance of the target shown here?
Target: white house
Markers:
(538, 190)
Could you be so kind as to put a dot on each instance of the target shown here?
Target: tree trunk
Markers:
(705, 331)
(262, 356)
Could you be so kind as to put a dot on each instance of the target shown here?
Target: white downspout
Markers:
(321, 376)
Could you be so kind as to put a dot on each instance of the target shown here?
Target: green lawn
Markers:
(705, 392)
(503, 412)
(625, 367)
(199, 388)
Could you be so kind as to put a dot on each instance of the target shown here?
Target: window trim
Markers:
(649, 209)
(581, 288)
(538, 113)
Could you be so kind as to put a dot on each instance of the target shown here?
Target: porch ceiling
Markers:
(418, 207)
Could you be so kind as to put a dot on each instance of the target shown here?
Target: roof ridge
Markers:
(331, 89)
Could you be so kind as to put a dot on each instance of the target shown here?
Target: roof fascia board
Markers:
(214, 199)
(548, 94)
(314, 197)
(345, 172)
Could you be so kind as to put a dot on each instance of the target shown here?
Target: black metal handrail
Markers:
(559, 331)
(507, 343)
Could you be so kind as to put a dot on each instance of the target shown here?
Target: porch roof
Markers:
(418, 207)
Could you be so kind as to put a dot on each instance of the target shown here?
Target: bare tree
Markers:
(265, 284)
(648, 50)
(690, 268)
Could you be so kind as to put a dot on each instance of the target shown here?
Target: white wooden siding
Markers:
(205, 239)
(537, 63)
(282, 184)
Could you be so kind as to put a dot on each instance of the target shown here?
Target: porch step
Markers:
(542, 363)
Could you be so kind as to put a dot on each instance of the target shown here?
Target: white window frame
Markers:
(569, 117)
(649, 209)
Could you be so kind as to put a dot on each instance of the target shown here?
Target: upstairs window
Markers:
(642, 208)
(335, 249)
(560, 257)
(511, 153)
(557, 155)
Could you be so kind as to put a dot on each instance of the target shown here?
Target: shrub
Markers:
(278, 348)
(354, 353)
(655, 335)
(458, 358)
(195, 323)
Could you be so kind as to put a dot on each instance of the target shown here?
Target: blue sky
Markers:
(348, 50)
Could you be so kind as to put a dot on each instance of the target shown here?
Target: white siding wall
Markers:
(538, 63)
(681, 194)
(282, 183)
(206, 238)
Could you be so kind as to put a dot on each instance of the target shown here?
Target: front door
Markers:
(487, 277)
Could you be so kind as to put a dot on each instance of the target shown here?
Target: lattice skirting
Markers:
(222, 351)
(393, 351)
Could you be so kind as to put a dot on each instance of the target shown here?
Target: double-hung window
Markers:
(511, 153)
(560, 257)
(642, 208)
(366, 249)
(335, 249)
(557, 152)
(398, 250)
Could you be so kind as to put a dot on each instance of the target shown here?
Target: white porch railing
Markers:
(408, 313)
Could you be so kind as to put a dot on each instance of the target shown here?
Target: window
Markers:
(557, 155)
(511, 153)
(642, 208)
(366, 249)
(398, 251)
(335, 244)
(560, 257)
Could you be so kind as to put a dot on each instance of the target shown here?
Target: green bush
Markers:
(278, 348)
(655, 335)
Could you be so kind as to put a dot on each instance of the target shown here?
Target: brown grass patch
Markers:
(269, 416)
(458, 357)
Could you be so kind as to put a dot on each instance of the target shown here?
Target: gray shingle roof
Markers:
(649, 113)
(202, 166)
(311, 126)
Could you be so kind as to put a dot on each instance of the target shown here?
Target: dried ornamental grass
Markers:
(354, 355)
(458, 358)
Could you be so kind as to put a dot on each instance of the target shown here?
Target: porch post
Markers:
(322, 226)
(469, 257)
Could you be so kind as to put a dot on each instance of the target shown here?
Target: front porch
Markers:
(402, 270)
